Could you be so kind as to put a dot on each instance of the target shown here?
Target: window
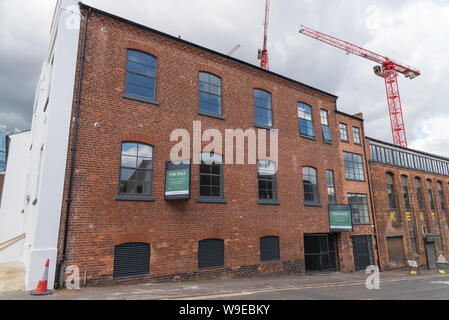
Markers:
(266, 171)
(136, 170)
(405, 193)
(440, 194)
(305, 120)
(131, 259)
(141, 75)
(211, 253)
(331, 187)
(309, 177)
(262, 103)
(344, 132)
(211, 175)
(390, 190)
(356, 133)
(419, 194)
(429, 190)
(269, 249)
(353, 166)
(210, 93)
(325, 126)
(359, 208)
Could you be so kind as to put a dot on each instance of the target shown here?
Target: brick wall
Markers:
(389, 228)
(173, 228)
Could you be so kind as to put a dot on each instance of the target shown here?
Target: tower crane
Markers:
(263, 53)
(230, 53)
(387, 68)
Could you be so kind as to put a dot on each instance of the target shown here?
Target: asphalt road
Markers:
(429, 288)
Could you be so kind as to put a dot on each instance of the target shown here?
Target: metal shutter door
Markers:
(269, 249)
(211, 253)
(131, 259)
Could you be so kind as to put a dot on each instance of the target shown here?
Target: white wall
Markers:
(13, 198)
(45, 173)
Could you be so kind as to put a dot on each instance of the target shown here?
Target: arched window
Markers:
(430, 193)
(305, 120)
(419, 193)
(310, 181)
(325, 126)
(405, 193)
(136, 169)
(269, 248)
(131, 259)
(211, 253)
(210, 93)
(263, 109)
(440, 195)
(141, 75)
(390, 190)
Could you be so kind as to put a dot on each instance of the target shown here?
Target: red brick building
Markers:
(410, 192)
(137, 86)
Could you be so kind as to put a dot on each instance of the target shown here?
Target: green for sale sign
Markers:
(340, 218)
(177, 180)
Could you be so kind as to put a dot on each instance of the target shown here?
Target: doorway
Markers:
(363, 252)
(431, 256)
(396, 258)
(320, 252)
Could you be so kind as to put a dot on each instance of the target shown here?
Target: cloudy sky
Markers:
(415, 32)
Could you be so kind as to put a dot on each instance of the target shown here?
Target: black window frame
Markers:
(211, 174)
(327, 137)
(392, 199)
(330, 179)
(264, 108)
(405, 193)
(150, 99)
(431, 195)
(270, 249)
(135, 195)
(210, 93)
(269, 178)
(359, 208)
(307, 124)
(419, 196)
(354, 170)
(314, 187)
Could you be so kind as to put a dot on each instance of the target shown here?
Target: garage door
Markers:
(396, 258)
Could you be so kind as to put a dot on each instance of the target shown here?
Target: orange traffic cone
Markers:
(41, 289)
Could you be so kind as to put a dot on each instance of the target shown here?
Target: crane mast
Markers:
(263, 54)
(387, 69)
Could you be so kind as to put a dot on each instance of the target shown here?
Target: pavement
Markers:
(12, 277)
(333, 286)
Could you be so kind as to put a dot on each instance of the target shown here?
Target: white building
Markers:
(33, 198)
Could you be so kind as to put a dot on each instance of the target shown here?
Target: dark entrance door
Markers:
(431, 257)
(320, 252)
(396, 258)
(363, 252)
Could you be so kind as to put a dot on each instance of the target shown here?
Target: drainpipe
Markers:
(58, 283)
(371, 197)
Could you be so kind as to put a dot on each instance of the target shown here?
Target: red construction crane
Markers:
(387, 69)
(234, 50)
(263, 54)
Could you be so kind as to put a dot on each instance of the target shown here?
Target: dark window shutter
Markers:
(269, 248)
(211, 253)
(131, 259)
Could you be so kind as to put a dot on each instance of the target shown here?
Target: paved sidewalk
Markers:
(12, 277)
(218, 288)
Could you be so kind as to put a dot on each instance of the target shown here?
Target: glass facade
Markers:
(408, 159)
